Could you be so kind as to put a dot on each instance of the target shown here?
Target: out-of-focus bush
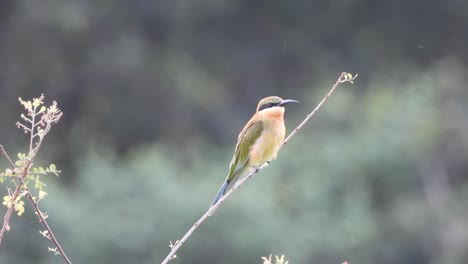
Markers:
(154, 93)
(373, 185)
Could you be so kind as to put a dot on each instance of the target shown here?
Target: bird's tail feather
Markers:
(221, 192)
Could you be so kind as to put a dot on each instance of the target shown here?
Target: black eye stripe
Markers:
(268, 105)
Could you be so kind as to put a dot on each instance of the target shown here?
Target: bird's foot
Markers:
(256, 168)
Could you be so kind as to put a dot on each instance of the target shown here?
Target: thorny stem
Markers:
(50, 235)
(344, 77)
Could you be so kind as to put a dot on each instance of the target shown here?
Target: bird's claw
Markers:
(256, 168)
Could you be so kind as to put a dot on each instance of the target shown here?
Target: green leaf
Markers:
(36, 102)
(7, 172)
(42, 194)
(38, 184)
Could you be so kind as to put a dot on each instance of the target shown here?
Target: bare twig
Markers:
(344, 77)
(12, 165)
(50, 235)
(31, 137)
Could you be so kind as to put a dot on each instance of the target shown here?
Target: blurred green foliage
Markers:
(155, 92)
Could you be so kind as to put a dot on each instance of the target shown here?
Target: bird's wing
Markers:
(247, 138)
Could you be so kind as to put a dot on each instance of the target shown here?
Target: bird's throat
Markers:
(274, 112)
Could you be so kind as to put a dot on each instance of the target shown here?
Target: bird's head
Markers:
(273, 102)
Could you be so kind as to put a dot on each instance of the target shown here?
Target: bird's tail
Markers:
(221, 192)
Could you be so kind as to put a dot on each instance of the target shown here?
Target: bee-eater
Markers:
(258, 142)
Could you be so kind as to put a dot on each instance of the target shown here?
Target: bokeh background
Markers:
(155, 92)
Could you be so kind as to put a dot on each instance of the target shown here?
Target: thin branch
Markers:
(26, 119)
(25, 128)
(50, 235)
(344, 77)
(31, 139)
(12, 165)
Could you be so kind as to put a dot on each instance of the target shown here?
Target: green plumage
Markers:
(241, 155)
(240, 160)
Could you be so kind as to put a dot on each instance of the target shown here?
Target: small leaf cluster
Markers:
(38, 120)
(347, 77)
(172, 245)
(8, 201)
(278, 260)
(33, 177)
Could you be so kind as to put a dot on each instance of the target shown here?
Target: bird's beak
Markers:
(287, 101)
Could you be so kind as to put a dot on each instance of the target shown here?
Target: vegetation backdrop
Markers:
(154, 94)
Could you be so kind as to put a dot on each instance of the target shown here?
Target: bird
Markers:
(258, 142)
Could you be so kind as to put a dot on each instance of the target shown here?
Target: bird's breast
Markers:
(267, 145)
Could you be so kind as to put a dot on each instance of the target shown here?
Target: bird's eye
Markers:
(267, 105)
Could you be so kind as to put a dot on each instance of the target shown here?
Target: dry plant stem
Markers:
(50, 234)
(344, 77)
(31, 138)
(12, 165)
